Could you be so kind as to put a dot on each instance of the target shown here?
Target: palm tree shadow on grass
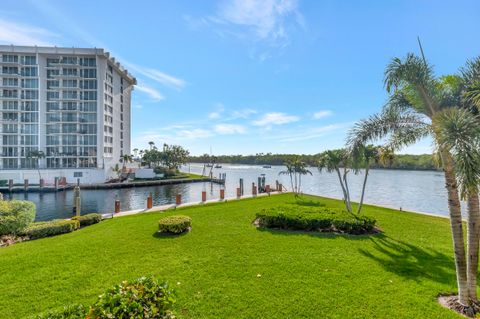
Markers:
(410, 261)
(317, 234)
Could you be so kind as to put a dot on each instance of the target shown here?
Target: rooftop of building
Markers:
(20, 49)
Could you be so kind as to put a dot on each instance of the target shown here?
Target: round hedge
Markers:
(174, 224)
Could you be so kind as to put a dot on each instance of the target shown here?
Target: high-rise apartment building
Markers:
(71, 104)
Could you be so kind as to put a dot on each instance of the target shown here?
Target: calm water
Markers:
(412, 190)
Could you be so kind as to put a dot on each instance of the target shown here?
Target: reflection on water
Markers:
(411, 190)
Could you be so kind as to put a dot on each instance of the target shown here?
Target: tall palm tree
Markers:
(290, 169)
(300, 168)
(331, 161)
(365, 155)
(417, 107)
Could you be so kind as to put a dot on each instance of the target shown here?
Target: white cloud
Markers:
(157, 75)
(151, 92)
(172, 134)
(137, 106)
(275, 118)
(229, 129)
(322, 114)
(266, 18)
(24, 34)
(242, 114)
(312, 133)
(194, 133)
(216, 114)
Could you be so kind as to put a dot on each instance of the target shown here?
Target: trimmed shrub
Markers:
(68, 312)
(314, 218)
(174, 224)
(51, 228)
(141, 298)
(88, 219)
(15, 215)
(167, 172)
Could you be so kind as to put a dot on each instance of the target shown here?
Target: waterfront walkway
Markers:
(173, 206)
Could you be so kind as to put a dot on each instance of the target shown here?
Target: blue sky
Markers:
(243, 77)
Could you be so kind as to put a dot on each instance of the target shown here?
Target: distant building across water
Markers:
(71, 104)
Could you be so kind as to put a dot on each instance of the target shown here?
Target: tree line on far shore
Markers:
(401, 161)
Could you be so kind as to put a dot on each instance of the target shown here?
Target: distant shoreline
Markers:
(423, 162)
(373, 167)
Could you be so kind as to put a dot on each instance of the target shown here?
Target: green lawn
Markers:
(214, 268)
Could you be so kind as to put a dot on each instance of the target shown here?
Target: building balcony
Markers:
(9, 62)
(2, 74)
(10, 86)
(9, 96)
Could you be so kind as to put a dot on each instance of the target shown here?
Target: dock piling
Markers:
(117, 205)
(222, 194)
(178, 199)
(25, 185)
(149, 201)
(204, 196)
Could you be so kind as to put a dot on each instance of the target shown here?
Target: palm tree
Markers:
(152, 144)
(419, 105)
(36, 155)
(300, 168)
(331, 161)
(365, 155)
(126, 158)
(290, 169)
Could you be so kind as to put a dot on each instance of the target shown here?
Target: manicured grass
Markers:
(397, 274)
(191, 175)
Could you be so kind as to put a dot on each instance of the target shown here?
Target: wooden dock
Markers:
(17, 188)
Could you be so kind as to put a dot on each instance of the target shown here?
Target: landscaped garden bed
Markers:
(17, 223)
(314, 217)
(145, 297)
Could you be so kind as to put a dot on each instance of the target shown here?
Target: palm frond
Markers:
(458, 131)
(386, 124)
(412, 70)
(408, 135)
(471, 71)
(472, 95)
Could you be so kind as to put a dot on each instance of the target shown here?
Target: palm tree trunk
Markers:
(457, 227)
(363, 191)
(299, 182)
(473, 230)
(291, 182)
(296, 183)
(347, 204)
